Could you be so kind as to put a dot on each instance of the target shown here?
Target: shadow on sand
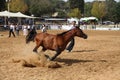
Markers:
(72, 61)
(86, 51)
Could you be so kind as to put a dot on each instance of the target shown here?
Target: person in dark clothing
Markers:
(72, 42)
(17, 29)
(71, 45)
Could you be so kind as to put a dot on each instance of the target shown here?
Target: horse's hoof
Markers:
(47, 56)
(51, 59)
(48, 59)
(35, 51)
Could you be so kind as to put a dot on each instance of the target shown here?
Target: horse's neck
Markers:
(68, 36)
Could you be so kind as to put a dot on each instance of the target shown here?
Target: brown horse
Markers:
(56, 43)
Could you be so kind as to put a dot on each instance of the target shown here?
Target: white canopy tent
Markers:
(19, 15)
(88, 18)
(83, 19)
(73, 19)
(5, 13)
(92, 18)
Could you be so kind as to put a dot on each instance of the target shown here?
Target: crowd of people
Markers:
(15, 28)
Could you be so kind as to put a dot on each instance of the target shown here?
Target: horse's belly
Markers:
(50, 47)
(53, 44)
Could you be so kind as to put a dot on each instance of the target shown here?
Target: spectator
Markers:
(17, 29)
(11, 30)
(44, 29)
(72, 42)
(28, 27)
(25, 30)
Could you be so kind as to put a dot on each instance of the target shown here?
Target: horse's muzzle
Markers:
(85, 36)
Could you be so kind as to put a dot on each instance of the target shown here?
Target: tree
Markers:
(77, 4)
(47, 7)
(40, 7)
(2, 5)
(110, 10)
(60, 7)
(18, 6)
(99, 9)
(87, 10)
(75, 13)
(117, 12)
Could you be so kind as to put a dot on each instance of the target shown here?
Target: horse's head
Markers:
(80, 33)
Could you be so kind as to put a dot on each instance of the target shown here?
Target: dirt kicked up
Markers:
(97, 58)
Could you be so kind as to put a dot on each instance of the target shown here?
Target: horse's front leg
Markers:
(37, 46)
(57, 53)
(35, 49)
(43, 50)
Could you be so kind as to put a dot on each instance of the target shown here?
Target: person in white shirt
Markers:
(72, 42)
(28, 27)
(44, 29)
(11, 31)
(25, 30)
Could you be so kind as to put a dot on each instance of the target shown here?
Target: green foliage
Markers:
(60, 7)
(75, 13)
(98, 9)
(18, 6)
(2, 5)
(110, 9)
(87, 10)
(117, 12)
(77, 4)
(40, 7)
(47, 7)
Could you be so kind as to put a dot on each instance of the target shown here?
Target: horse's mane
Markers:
(60, 34)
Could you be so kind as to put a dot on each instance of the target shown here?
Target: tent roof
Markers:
(88, 18)
(6, 13)
(18, 14)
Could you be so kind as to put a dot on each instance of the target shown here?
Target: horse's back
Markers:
(45, 37)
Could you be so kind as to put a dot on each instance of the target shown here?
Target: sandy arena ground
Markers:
(97, 58)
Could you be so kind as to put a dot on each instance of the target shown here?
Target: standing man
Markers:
(28, 27)
(12, 28)
(17, 29)
(72, 42)
(44, 29)
(25, 29)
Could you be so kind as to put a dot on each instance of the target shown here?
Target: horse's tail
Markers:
(31, 35)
